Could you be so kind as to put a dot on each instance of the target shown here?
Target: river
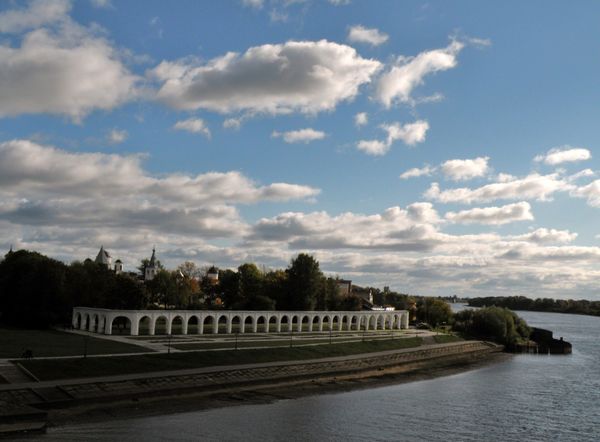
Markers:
(528, 397)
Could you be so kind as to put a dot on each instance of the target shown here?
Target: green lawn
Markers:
(323, 339)
(442, 339)
(80, 367)
(14, 341)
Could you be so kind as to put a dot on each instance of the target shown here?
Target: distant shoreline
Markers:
(268, 390)
(521, 303)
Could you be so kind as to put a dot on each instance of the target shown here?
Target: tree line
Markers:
(38, 291)
(581, 307)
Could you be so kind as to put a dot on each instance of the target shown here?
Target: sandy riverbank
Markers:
(268, 391)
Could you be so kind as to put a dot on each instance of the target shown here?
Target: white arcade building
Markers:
(151, 322)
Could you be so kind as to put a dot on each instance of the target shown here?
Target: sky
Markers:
(438, 148)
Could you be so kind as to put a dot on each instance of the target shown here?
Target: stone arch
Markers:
(372, 322)
(249, 324)
(285, 320)
(326, 323)
(177, 325)
(145, 325)
(208, 324)
(314, 322)
(235, 324)
(335, 322)
(345, 324)
(305, 323)
(380, 322)
(261, 320)
(94, 323)
(221, 324)
(85, 322)
(161, 325)
(295, 322)
(120, 325)
(272, 324)
(193, 324)
(353, 325)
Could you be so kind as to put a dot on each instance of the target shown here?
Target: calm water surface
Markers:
(529, 398)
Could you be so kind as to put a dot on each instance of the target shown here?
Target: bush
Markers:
(492, 323)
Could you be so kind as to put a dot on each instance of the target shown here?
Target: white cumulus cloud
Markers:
(566, 154)
(533, 186)
(116, 136)
(493, 215)
(409, 133)
(416, 172)
(460, 170)
(300, 136)
(303, 76)
(543, 236)
(193, 125)
(361, 119)
(398, 82)
(37, 13)
(372, 36)
(69, 71)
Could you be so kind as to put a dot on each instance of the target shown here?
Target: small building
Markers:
(213, 275)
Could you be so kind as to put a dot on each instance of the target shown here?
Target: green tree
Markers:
(434, 311)
(163, 289)
(32, 290)
(228, 288)
(275, 285)
(250, 284)
(304, 280)
(190, 270)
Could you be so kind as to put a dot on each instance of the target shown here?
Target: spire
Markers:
(152, 262)
(103, 257)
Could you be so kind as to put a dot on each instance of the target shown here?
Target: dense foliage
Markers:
(582, 306)
(496, 324)
(37, 291)
(433, 311)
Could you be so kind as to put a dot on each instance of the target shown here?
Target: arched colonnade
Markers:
(151, 322)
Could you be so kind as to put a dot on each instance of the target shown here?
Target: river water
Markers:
(528, 398)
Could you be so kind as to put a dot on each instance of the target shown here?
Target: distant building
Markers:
(103, 258)
(213, 275)
(344, 287)
(152, 268)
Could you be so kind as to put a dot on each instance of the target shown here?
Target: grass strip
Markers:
(115, 365)
(14, 341)
(443, 339)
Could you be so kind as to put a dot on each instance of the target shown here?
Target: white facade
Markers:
(203, 321)
(151, 269)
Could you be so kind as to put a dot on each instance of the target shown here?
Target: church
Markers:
(151, 269)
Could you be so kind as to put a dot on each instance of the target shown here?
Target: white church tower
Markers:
(151, 269)
(104, 258)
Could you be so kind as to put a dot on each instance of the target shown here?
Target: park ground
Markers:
(72, 354)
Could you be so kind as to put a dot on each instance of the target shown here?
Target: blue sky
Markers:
(435, 147)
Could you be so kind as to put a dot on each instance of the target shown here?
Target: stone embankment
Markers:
(49, 395)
